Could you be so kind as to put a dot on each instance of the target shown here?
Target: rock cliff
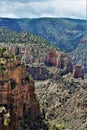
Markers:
(17, 95)
(39, 54)
(59, 59)
(78, 71)
(64, 64)
(39, 72)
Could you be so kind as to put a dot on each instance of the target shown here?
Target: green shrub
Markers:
(59, 127)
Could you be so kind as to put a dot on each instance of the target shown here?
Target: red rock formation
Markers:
(78, 72)
(59, 59)
(17, 92)
(63, 61)
(51, 58)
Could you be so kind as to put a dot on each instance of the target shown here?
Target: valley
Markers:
(45, 61)
(70, 35)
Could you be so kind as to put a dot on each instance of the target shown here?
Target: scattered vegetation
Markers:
(63, 32)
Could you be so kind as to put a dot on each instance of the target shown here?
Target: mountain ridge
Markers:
(58, 31)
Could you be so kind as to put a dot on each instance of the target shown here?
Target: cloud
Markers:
(43, 8)
(25, 1)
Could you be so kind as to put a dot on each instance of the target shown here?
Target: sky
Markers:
(43, 8)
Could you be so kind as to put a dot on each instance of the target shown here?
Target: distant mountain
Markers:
(11, 24)
(64, 32)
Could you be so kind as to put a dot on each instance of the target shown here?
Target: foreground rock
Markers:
(17, 96)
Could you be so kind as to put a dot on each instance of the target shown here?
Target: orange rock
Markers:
(17, 90)
(59, 59)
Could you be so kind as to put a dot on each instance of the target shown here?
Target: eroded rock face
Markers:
(17, 81)
(64, 63)
(17, 92)
(78, 71)
(39, 72)
(59, 59)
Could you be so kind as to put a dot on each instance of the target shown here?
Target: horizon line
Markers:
(43, 18)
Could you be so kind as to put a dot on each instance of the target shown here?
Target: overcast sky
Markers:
(43, 8)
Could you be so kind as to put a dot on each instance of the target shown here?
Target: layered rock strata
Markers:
(17, 95)
(64, 63)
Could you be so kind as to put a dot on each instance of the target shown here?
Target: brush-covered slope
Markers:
(9, 36)
(70, 35)
(63, 32)
(64, 102)
(31, 48)
(80, 53)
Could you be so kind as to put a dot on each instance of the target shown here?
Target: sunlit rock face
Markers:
(59, 59)
(17, 93)
(63, 61)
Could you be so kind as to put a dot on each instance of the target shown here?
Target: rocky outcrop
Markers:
(59, 59)
(39, 72)
(17, 95)
(78, 71)
(64, 63)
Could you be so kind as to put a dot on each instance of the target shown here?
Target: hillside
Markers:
(63, 32)
(29, 47)
(64, 101)
(70, 35)
(33, 49)
(81, 55)
(9, 36)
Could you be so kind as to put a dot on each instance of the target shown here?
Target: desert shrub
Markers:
(58, 127)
